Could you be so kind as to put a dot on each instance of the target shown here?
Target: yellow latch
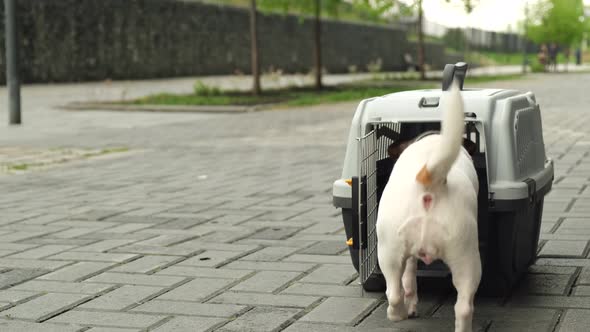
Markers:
(349, 242)
(349, 181)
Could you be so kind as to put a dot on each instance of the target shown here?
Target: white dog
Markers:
(428, 211)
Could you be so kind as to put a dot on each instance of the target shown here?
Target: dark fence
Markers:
(487, 41)
(81, 40)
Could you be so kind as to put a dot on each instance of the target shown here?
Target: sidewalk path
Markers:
(224, 222)
(41, 102)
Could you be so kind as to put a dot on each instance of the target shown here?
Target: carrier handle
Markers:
(458, 71)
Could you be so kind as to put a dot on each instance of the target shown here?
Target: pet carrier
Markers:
(504, 136)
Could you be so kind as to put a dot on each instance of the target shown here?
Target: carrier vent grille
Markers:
(530, 149)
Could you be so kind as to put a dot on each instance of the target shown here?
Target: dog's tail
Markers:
(440, 162)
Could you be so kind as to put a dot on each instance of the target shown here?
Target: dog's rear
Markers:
(428, 211)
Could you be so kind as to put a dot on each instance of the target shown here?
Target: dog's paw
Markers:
(411, 302)
(412, 310)
(463, 327)
(396, 315)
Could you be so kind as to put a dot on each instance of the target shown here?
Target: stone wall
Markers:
(81, 40)
(435, 54)
(482, 40)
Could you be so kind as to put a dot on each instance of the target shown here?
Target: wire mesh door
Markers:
(368, 205)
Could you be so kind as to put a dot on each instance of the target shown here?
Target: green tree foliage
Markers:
(410, 8)
(469, 4)
(306, 7)
(351, 10)
(557, 21)
(383, 10)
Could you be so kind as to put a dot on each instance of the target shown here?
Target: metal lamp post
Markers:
(12, 74)
(525, 60)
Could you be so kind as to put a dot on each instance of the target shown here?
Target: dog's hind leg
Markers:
(392, 268)
(411, 287)
(466, 273)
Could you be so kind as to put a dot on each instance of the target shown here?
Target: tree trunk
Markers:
(254, 49)
(525, 60)
(421, 60)
(467, 45)
(318, 45)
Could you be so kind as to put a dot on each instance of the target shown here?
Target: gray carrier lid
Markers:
(510, 121)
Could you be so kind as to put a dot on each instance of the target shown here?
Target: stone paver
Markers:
(190, 324)
(306, 327)
(211, 258)
(10, 296)
(261, 320)
(77, 271)
(92, 257)
(205, 272)
(12, 277)
(545, 317)
(40, 252)
(190, 308)
(62, 287)
(146, 264)
(340, 311)
(135, 279)
(223, 222)
(103, 245)
(31, 264)
(107, 319)
(551, 302)
(266, 281)
(270, 254)
(196, 290)
(121, 298)
(270, 266)
(265, 299)
(20, 326)
(111, 329)
(331, 274)
(557, 284)
(575, 320)
(44, 306)
(564, 248)
(327, 290)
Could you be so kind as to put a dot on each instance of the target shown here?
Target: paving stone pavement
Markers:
(225, 222)
(22, 159)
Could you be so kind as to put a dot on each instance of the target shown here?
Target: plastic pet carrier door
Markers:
(372, 177)
(368, 205)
